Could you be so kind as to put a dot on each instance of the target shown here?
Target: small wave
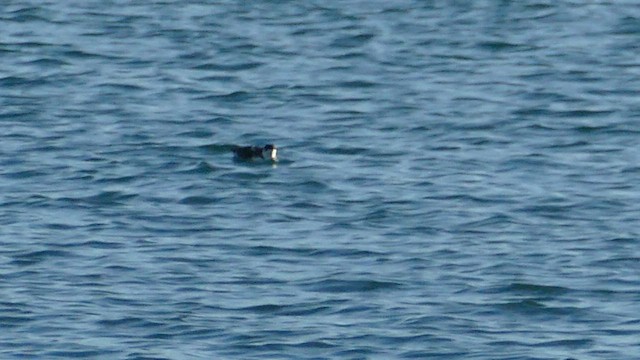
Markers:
(491, 223)
(578, 143)
(530, 289)
(538, 308)
(582, 113)
(105, 198)
(117, 179)
(244, 175)
(128, 321)
(48, 62)
(349, 55)
(14, 321)
(235, 96)
(77, 353)
(197, 134)
(287, 310)
(346, 253)
(24, 174)
(262, 250)
(122, 86)
(567, 343)
(349, 286)
(80, 54)
(586, 129)
(313, 185)
(27, 15)
(228, 67)
(99, 244)
(17, 81)
(202, 168)
(352, 40)
(198, 200)
(35, 257)
(503, 46)
(218, 78)
(357, 84)
(344, 150)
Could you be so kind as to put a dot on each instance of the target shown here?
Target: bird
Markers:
(255, 152)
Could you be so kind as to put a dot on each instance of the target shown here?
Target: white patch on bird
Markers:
(273, 154)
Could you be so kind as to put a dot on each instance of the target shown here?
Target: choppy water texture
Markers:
(459, 179)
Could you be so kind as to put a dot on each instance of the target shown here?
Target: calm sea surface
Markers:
(458, 179)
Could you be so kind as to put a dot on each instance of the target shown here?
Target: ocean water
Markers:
(457, 179)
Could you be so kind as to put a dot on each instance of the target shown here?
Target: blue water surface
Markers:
(457, 180)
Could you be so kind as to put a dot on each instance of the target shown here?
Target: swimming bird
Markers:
(254, 152)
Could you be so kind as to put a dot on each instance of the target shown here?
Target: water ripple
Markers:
(456, 180)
